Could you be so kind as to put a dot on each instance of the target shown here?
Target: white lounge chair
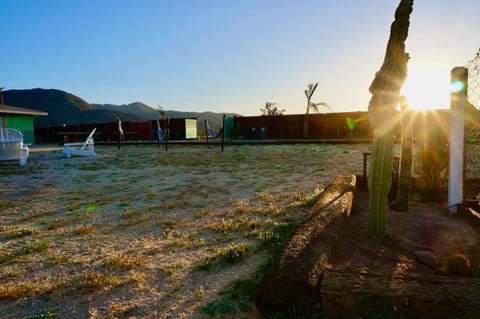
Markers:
(82, 149)
(11, 146)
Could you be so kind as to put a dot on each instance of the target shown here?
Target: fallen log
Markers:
(292, 283)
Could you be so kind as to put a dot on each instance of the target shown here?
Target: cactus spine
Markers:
(385, 90)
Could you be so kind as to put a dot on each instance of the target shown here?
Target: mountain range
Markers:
(69, 109)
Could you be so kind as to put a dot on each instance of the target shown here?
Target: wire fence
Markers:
(472, 130)
(474, 81)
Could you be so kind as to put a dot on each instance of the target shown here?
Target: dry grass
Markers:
(147, 233)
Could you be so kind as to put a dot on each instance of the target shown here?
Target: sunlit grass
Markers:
(18, 290)
(11, 232)
(224, 256)
(38, 245)
(92, 280)
(122, 261)
(151, 223)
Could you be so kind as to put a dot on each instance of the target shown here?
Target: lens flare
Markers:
(427, 86)
(457, 86)
(351, 123)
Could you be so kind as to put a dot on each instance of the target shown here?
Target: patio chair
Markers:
(160, 133)
(210, 132)
(12, 147)
(81, 149)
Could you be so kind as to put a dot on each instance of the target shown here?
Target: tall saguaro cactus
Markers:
(385, 90)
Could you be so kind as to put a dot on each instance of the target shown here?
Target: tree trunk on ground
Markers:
(385, 90)
(292, 283)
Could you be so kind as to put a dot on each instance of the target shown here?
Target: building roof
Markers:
(8, 109)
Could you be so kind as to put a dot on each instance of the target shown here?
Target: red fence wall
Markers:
(328, 125)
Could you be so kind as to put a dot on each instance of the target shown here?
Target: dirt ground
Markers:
(121, 235)
(426, 226)
(384, 279)
(124, 234)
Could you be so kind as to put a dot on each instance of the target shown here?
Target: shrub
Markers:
(432, 165)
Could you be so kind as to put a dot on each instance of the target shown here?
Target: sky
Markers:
(230, 55)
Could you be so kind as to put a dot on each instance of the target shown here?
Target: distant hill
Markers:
(66, 108)
(139, 109)
(145, 113)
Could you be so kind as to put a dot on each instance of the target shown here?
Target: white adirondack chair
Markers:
(82, 149)
(11, 146)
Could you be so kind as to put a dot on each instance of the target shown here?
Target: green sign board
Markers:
(191, 129)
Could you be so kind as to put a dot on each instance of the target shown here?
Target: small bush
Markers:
(432, 165)
(235, 253)
(223, 305)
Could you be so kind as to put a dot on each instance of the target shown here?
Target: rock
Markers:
(427, 258)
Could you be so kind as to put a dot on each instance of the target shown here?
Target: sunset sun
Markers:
(427, 86)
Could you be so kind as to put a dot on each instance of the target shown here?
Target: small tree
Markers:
(271, 109)
(161, 111)
(310, 105)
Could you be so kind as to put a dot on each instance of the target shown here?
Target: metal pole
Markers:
(223, 131)
(206, 130)
(167, 132)
(458, 101)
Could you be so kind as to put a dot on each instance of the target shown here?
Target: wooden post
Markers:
(223, 131)
(206, 130)
(401, 204)
(364, 185)
(458, 101)
(167, 132)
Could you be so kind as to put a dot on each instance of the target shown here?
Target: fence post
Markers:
(206, 131)
(458, 101)
(223, 131)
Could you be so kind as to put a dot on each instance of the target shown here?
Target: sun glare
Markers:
(427, 86)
